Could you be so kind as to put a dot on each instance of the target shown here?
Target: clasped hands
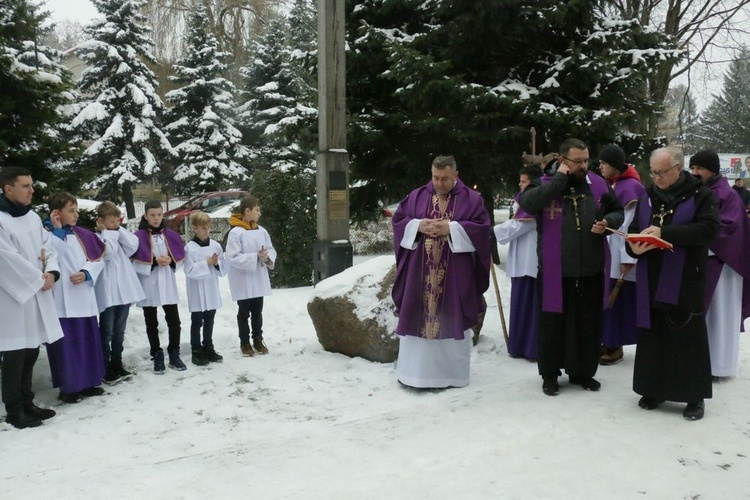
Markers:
(435, 228)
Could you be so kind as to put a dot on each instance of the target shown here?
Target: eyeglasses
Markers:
(660, 173)
(580, 161)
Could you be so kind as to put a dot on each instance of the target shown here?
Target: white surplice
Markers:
(202, 279)
(75, 301)
(248, 276)
(118, 283)
(158, 282)
(30, 318)
(435, 363)
(520, 235)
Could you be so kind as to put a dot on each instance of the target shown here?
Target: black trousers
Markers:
(18, 368)
(253, 309)
(570, 340)
(172, 316)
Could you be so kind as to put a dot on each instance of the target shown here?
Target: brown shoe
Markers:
(611, 357)
(260, 347)
(247, 350)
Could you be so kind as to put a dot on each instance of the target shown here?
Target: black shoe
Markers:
(40, 413)
(92, 391)
(199, 357)
(588, 383)
(120, 370)
(212, 355)
(694, 411)
(174, 360)
(550, 386)
(111, 377)
(23, 420)
(70, 397)
(649, 403)
(159, 368)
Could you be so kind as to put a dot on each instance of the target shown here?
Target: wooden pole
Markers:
(532, 131)
(499, 305)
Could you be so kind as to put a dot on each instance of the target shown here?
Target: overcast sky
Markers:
(73, 10)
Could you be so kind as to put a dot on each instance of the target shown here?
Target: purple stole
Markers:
(145, 252)
(92, 246)
(551, 220)
(731, 244)
(520, 213)
(627, 190)
(672, 264)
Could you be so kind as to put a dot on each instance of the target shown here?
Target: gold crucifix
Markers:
(574, 198)
(553, 210)
(662, 214)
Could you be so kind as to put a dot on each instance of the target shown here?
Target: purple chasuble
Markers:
(672, 264)
(550, 218)
(731, 244)
(440, 294)
(93, 247)
(145, 252)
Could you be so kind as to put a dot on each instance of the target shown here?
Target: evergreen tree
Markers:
(208, 146)
(278, 119)
(725, 124)
(35, 89)
(120, 116)
(471, 78)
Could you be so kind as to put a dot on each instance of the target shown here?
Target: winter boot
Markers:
(120, 369)
(212, 355)
(111, 377)
(174, 360)
(259, 345)
(159, 363)
(199, 357)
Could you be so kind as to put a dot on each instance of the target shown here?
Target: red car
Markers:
(176, 217)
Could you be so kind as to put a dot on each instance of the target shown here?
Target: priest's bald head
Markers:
(444, 174)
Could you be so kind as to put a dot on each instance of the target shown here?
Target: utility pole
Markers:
(333, 250)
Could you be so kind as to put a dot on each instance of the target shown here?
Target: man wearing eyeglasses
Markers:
(573, 208)
(672, 356)
(728, 267)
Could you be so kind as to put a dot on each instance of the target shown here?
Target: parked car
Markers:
(176, 217)
(389, 210)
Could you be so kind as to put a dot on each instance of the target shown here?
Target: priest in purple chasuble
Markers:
(442, 244)
(672, 361)
(727, 298)
(573, 208)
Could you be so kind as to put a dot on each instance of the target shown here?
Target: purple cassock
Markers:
(730, 247)
(438, 293)
(620, 326)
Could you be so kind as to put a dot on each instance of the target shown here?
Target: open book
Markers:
(645, 238)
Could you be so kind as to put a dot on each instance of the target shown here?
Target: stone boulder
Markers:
(353, 312)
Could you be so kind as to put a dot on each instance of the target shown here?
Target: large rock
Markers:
(353, 312)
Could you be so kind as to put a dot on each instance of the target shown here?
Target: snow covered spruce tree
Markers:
(279, 119)
(201, 121)
(470, 78)
(121, 112)
(35, 91)
(725, 124)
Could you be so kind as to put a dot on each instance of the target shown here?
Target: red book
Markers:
(650, 239)
(645, 238)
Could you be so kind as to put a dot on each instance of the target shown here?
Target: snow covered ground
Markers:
(302, 423)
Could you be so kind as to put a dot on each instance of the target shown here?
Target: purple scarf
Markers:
(145, 252)
(93, 247)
